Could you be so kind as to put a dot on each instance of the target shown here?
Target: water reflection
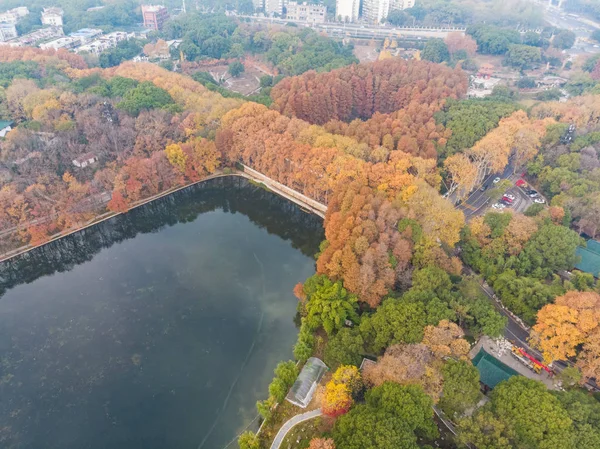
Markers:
(156, 329)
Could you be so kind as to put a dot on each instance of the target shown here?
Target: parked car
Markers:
(507, 199)
(521, 183)
(483, 188)
(506, 203)
(508, 195)
(496, 180)
(539, 200)
(498, 206)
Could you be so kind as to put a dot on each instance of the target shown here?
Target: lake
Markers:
(156, 329)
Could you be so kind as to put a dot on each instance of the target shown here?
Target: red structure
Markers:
(530, 361)
(154, 16)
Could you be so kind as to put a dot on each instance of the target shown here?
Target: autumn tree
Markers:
(457, 41)
(412, 364)
(321, 443)
(337, 396)
(569, 322)
(445, 340)
(348, 93)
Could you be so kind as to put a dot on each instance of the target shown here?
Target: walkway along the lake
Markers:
(248, 173)
(291, 423)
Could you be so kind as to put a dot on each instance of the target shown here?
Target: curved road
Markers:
(291, 423)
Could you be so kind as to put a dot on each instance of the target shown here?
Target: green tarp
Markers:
(589, 258)
(491, 370)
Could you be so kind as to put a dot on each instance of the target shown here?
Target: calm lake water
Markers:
(158, 329)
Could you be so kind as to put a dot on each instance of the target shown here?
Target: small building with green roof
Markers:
(491, 370)
(589, 258)
(5, 127)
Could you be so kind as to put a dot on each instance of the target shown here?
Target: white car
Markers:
(539, 200)
(496, 180)
(498, 206)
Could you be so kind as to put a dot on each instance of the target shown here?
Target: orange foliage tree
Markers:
(572, 320)
(321, 443)
(336, 397)
(358, 91)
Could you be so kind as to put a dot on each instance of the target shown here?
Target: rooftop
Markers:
(491, 370)
(303, 389)
(5, 123)
(589, 258)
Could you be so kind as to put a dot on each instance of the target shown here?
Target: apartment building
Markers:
(374, 11)
(306, 12)
(7, 31)
(274, 7)
(13, 15)
(347, 10)
(52, 16)
(401, 4)
(154, 16)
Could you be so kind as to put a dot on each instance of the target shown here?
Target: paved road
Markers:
(291, 423)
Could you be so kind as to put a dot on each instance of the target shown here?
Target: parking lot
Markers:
(520, 199)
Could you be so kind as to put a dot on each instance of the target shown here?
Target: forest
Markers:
(291, 51)
(376, 143)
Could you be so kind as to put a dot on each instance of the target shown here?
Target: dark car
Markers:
(483, 188)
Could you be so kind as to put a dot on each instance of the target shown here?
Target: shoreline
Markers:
(108, 215)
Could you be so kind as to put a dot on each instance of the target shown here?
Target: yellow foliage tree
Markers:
(176, 156)
(567, 323)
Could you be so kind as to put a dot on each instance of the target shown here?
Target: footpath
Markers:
(291, 423)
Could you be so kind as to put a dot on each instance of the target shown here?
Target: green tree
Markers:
(522, 413)
(395, 321)
(550, 249)
(287, 372)
(328, 304)
(397, 17)
(564, 39)
(389, 419)
(492, 39)
(304, 347)
(435, 50)
(248, 440)
(470, 120)
(236, 68)
(523, 56)
(461, 387)
(145, 96)
(344, 348)
(569, 377)
(534, 210)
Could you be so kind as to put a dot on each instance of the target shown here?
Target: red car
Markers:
(507, 199)
(520, 183)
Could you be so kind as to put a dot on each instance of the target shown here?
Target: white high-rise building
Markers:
(401, 4)
(7, 31)
(273, 7)
(258, 4)
(347, 10)
(374, 11)
(52, 16)
(306, 12)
